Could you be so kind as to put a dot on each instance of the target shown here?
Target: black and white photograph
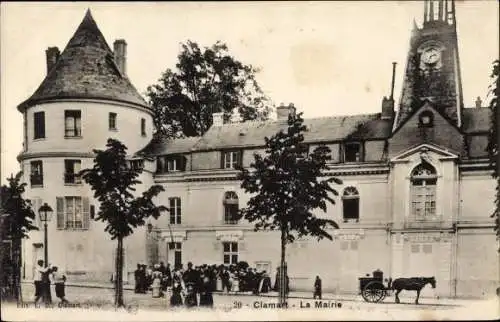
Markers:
(244, 160)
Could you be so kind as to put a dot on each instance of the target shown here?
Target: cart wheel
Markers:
(373, 292)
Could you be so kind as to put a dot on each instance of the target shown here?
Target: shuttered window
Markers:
(73, 213)
(39, 125)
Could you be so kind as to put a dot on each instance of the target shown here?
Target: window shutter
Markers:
(60, 213)
(222, 160)
(86, 212)
(242, 246)
(36, 204)
(240, 158)
(182, 163)
(341, 152)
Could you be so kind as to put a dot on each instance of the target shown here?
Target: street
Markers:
(97, 303)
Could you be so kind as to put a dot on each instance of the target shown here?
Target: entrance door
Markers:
(175, 254)
(37, 255)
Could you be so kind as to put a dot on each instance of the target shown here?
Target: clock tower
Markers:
(433, 66)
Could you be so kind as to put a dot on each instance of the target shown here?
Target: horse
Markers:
(411, 284)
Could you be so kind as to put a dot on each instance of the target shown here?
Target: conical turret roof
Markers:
(86, 70)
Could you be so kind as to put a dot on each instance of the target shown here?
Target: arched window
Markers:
(423, 191)
(350, 202)
(231, 207)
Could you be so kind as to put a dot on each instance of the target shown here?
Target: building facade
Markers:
(416, 196)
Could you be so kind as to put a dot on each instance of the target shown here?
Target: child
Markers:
(59, 280)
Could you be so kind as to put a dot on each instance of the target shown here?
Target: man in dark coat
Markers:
(317, 288)
(137, 279)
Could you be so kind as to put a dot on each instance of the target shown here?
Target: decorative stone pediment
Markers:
(229, 235)
(427, 237)
(349, 234)
(426, 152)
(176, 236)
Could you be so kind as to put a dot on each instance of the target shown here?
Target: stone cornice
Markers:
(53, 154)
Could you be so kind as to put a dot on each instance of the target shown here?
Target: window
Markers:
(421, 248)
(175, 251)
(426, 119)
(39, 125)
(73, 212)
(347, 245)
(423, 192)
(175, 210)
(72, 123)
(137, 164)
(230, 252)
(171, 163)
(36, 175)
(112, 121)
(143, 127)
(231, 159)
(352, 152)
(350, 202)
(71, 169)
(231, 207)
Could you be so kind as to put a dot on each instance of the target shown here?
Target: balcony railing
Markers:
(36, 180)
(432, 222)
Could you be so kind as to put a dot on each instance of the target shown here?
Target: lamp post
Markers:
(45, 213)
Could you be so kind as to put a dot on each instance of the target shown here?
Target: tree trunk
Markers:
(16, 278)
(282, 277)
(119, 274)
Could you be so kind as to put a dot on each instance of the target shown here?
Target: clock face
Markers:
(431, 56)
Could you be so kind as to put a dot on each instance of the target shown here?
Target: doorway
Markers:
(174, 254)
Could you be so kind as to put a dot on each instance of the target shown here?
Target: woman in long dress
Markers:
(156, 285)
(176, 298)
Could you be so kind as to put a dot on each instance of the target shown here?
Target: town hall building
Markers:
(416, 197)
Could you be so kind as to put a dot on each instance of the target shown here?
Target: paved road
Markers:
(97, 304)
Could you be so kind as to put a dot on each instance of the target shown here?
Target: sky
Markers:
(328, 58)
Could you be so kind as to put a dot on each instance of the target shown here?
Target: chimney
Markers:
(479, 102)
(120, 52)
(283, 111)
(52, 54)
(387, 108)
(218, 119)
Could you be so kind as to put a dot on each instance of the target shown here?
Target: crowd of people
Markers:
(194, 286)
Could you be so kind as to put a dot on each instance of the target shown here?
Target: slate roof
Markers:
(86, 69)
(251, 134)
(476, 119)
(168, 146)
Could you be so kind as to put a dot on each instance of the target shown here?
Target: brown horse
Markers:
(411, 284)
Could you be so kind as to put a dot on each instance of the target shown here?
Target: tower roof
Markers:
(86, 69)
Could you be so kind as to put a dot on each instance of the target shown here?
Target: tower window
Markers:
(73, 212)
(39, 125)
(36, 175)
(352, 152)
(71, 170)
(143, 127)
(72, 123)
(112, 121)
(426, 119)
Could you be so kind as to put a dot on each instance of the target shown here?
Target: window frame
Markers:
(175, 210)
(350, 196)
(63, 221)
(76, 117)
(230, 202)
(143, 127)
(423, 193)
(112, 121)
(39, 125)
(36, 165)
(231, 253)
(71, 177)
(423, 115)
(359, 157)
(233, 162)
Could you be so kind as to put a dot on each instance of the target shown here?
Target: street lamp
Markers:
(45, 213)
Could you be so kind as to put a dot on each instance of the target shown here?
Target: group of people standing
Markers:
(44, 277)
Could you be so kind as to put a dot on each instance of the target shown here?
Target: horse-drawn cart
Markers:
(372, 288)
